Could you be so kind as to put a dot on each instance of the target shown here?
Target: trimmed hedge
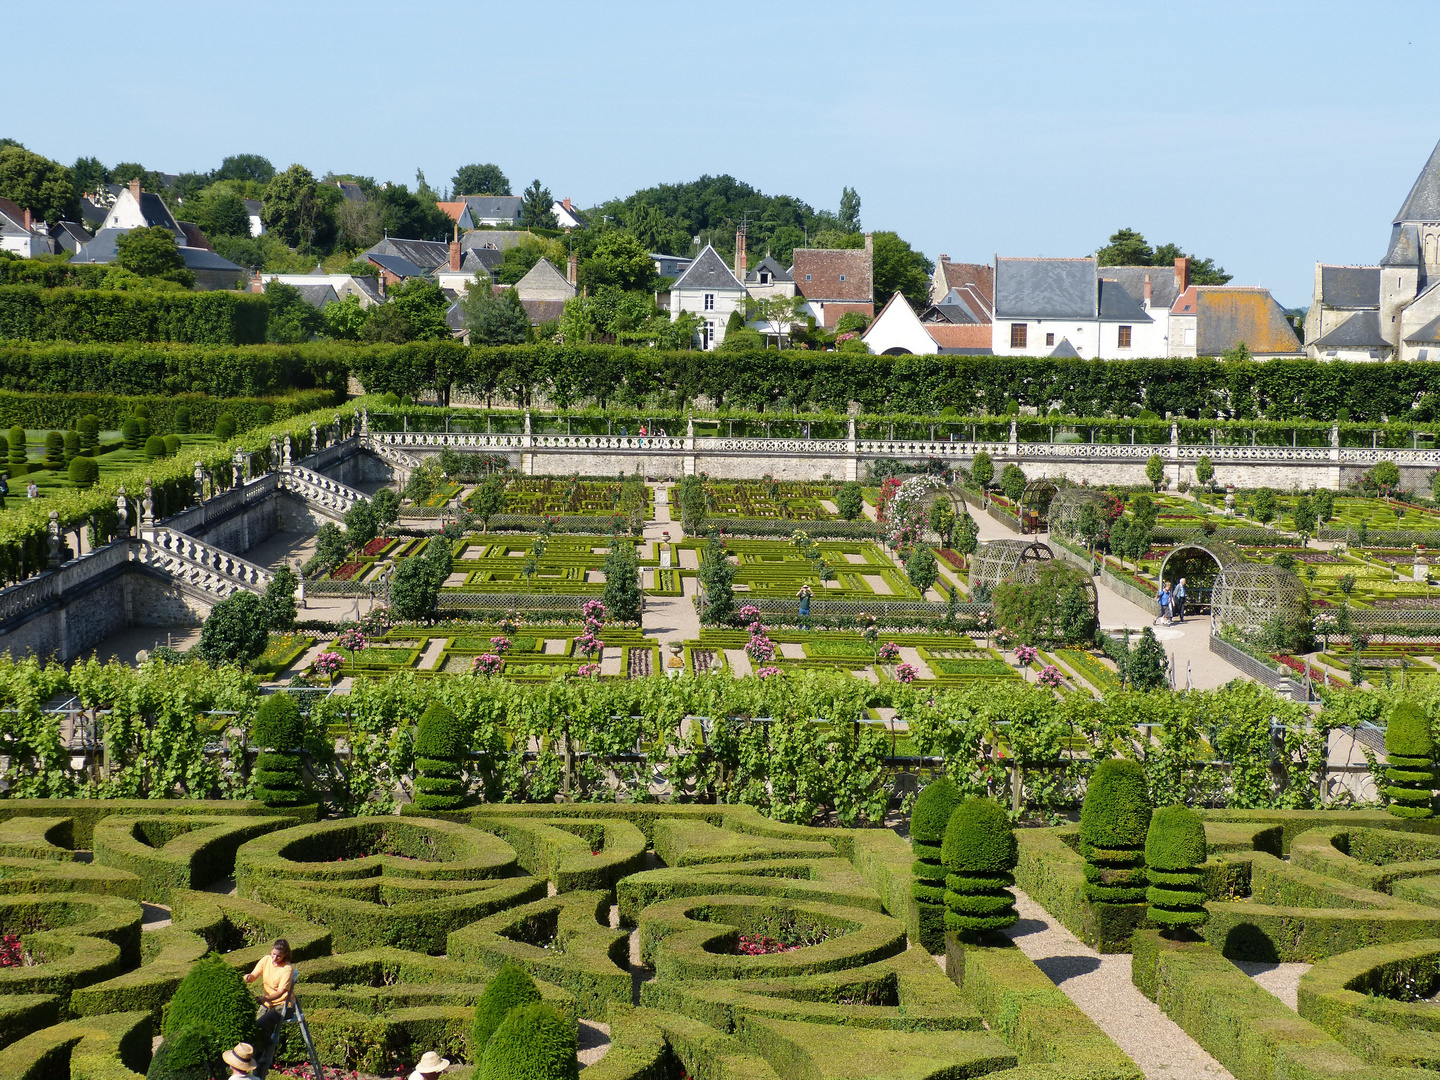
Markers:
(82, 939)
(219, 371)
(84, 813)
(31, 313)
(1410, 759)
(571, 852)
(279, 730)
(212, 997)
(928, 819)
(55, 409)
(1174, 853)
(979, 854)
(534, 1042)
(440, 740)
(829, 881)
(510, 988)
(1052, 873)
(1113, 822)
(169, 853)
(114, 1047)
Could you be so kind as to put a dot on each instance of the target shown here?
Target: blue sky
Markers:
(1265, 135)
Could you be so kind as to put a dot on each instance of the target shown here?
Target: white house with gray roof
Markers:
(1069, 307)
(710, 289)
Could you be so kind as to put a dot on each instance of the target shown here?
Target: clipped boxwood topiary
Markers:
(1410, 761)
(280, 730)
(172, 445)
(54, 449)
(1174, 855)
(928, 820)
(979, 853)
(154, 447)
(183, 419)
(89, 428)
(509, 989)
(84, 472)
(192, 1053)
(16, 457)
(212, 997)
(439, 743)
(224, 427)
(71, 443)
(533, 1043)
(130, 433)
(1113, 823)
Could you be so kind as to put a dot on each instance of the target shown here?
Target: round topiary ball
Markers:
(439, 733)
(1408, 731)
(213, 998)
(154, 447)
(265, 414)
(979, 839)
(225, 427)
(278, 724)
(1116, 812)
(933, 807)
(84, 472)
(142, 411)
(509, 989)
(193, 1053)
(172, 445)
(533, 1043)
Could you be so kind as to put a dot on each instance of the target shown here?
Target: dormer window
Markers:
(807, 277)
(842, 277)
(764, 277)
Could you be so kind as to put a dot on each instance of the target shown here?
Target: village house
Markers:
(834, 281)
(708, 288)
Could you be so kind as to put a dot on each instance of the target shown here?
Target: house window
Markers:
(1124, 341)
(1049, 339)
(1189, 335)
(1018, 331)
(807, 277)
(709, 301)
(842, 277)
(707, 335)
(764, 277)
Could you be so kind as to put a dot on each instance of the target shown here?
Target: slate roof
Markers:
(194, 237)
(493, 206)
(155, 212)
(396, 264)
(317, 295)
(1064, 350)
(70, 236)
(500, 239)
(253, 206)
(487, 259)
(426, 254)
(1231, 314)
(1117, 305)
(825, 267)
(708, 271)
(1360, 331)
(544, 282)
(92, 214)
(960, 275)
(1404, 247)
(205, 259)
(352, 191)
(1350, 286)
(1423, 202)
(102, 249)
(454, 317)
(543, 311)
(1045, 288)
(12, 217)
(967, 336)
(777, 272)
(1429, 334)
(959, 308)
(1163, 288)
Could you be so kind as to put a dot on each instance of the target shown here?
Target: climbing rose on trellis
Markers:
(907, 673)
(905, 515)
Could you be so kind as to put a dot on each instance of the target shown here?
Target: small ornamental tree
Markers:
(533, 1043)
(1114, 820)
(413, 590)
(928, 821)
(622, 595)
(1155, 470)
(1174, 855)
(89, 428)
(851, 501)
(921, 568)
(1204, 470)
(130, 433)
(183, 419)
(1265, 506)
(154, 448)
(967, 535)
(1410, 761)
(279, 599)
(982, 469)
(1148, 666)
(280, 731)
(387, 506)
(979, 854)
(192, 1053)
(235, 631)
(361, 524)
(717, 576)
(440, 745)
(509, 989)
(224, 427)
(689, 494)
(1012, 482)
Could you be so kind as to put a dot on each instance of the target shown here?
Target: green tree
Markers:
(1204, 470)
(329, 546)
(850, 503)
(222, 213)
(509, 989)
(153, 253)
(980, 853)
(921, 568)
(779, 313)
(254, 168)
(440, 746)
(535, 205)
(1147, 667)
(212, 997)
(279, 599)
(479, 180)
(1385, 477)
(1202, 271)
(1324, 504)
(1175, 852)
(87, 176)
(292, 320)
(295, 212)
(1155, 470)
(37, 184)
(422, 304)
(488, 500)
(1144, 510)
(413, 589)
(1126, 248)
(849, 215)
(689, 495)
(279, 730)
(412, 215)
(1410, 760)
(1265, 506)
(1305, 518)
(622, 596)
(494, 320)
(1114, 820)
(967, 535)
(235, 631)
(717, 578)
(928, 821)
(982, 469)
(1012, 482)
(533, 1042)
(361, 524)
(619, 259)
(387, 506)
(899, 268)
(346, 320)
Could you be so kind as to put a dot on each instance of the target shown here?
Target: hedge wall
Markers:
(31, 313)
(220, 371)
(56, 410)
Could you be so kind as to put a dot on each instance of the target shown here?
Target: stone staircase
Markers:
(194, 565)
(330, 497)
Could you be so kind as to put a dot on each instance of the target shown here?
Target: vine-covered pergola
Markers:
(1201, 563)
(998, 560)
(1035, 503)
(1066, 506)
(1250, 595)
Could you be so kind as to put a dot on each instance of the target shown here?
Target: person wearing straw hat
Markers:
(241, 1061)
(430, 1066)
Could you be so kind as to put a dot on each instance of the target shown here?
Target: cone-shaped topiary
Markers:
(533, 1043)
(979, 854)
(1174, 854)
(439, 743)
(509, 989)
(280, 730)
(1113, 823)
(928, 820)
(1410, 761)
(192, 1053)
(213, 998)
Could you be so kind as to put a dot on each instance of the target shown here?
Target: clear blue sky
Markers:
(1266, 135)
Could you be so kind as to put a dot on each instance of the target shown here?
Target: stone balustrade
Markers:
(195, 563)
(320, 490)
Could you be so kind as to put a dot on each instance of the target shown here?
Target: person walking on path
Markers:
(1177, 600)
(1165, 599)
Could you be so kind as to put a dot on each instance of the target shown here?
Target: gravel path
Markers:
(1101, 987)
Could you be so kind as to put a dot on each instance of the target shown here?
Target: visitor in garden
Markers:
(430, 1066)
(241, 1060)
(277, 978)
(1166, 599)
(1177, 600)
(32, 490)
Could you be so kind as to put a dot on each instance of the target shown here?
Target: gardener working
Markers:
(277, 977)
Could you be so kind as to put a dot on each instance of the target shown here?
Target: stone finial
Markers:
(690, 427)
(285, 453)
(314, 437)
(364, 420)
(338, 428)
(199, 481)
(527, 421)
(54, 530)
(122, 509)
(274, 449)
(147, 504)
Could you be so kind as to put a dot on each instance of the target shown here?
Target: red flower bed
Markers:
(954, 558)
(346, 571)
(374, 547)
(12, 951)
(760, 945)
(1299, 666)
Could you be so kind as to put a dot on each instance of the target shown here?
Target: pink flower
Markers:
(767, 672)
(501, 644)
(1050, 676)
(889, 651)
(585, 671)
(1026, 653)
(328, 663)
(907, 673)
(486, 664)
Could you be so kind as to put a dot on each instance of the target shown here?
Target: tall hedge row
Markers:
(39, 411)
(31, 313)
(241, 371)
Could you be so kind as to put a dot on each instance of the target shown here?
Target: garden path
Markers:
(669, 618)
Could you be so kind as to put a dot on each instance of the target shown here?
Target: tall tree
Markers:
(87, 175)
(479, 180)
(849, 209)
(619, 259)
(246, 167)
(535, 209)
(292, 321)
(295, 212)
(222, 213)
(494, 320)
(1126, 248)
(37, 184)
(407, 215)
(423, 303)
(152, 253)
(899, 268)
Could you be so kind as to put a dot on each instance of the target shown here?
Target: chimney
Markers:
(740, 255)
(566, 203)
(1147, 290)
(257, 283)
(869, 243)
(454, 254)
(1182, 273)
(944, 258)
(29, 220)
(572, 269)
(135, 188)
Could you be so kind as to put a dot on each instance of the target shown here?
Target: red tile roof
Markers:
(977, 276)
(960, 335)
(452, 210)
(818, 272)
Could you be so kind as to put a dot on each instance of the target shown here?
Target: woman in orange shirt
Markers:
(277, 980)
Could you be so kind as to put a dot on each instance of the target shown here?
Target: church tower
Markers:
(1413, 259)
